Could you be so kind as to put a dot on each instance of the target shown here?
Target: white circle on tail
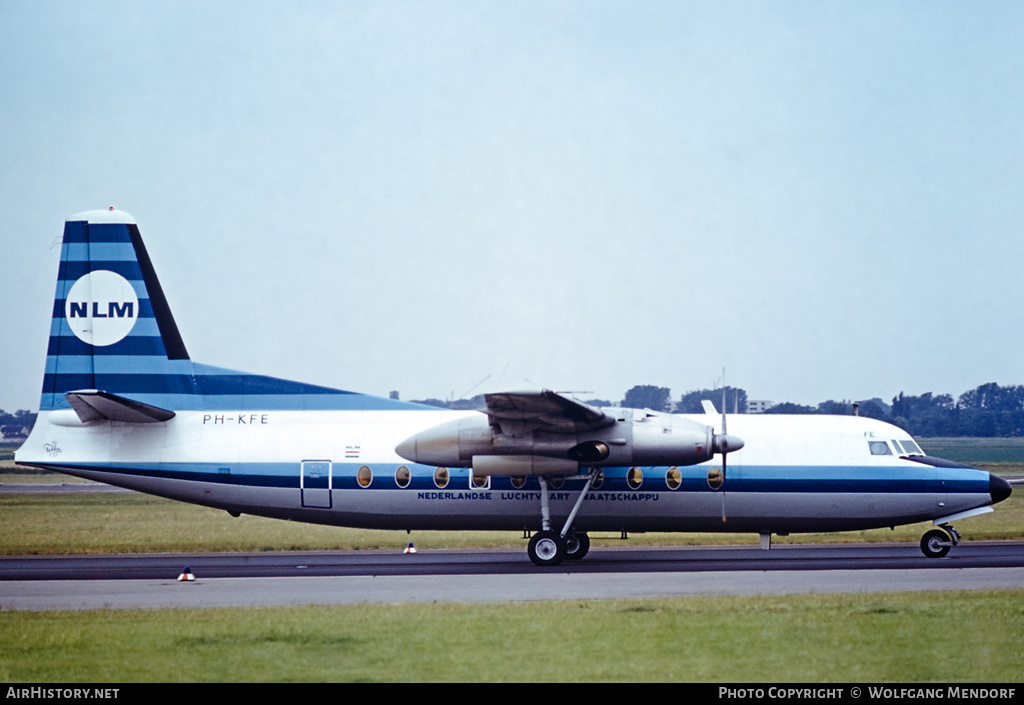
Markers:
(101, 308)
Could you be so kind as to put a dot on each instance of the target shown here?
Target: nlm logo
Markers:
(80, 310)
(101, 308)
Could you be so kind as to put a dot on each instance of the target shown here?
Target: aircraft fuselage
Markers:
(305, 466)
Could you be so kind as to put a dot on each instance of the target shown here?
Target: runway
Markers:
(354, 577)
(60, 488)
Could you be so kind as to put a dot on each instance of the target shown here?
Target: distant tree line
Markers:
(17, 425)
(987, 411)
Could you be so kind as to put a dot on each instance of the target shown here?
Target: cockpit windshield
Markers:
(904, 447)
(910, 447)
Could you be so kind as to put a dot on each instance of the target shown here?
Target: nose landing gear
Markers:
(937, 542)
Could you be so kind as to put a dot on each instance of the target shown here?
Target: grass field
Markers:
(907, 638)
(1004, 451)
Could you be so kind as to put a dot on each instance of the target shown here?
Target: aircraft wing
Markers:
(518, 413)
(94, 405)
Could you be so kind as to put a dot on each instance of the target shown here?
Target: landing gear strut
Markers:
(937, 542)
(548, 547)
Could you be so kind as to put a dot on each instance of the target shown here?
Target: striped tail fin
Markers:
(115, 351)
(112, 329)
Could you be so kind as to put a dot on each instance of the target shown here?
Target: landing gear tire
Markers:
(576, 546)
(936, 543)
(546, 548)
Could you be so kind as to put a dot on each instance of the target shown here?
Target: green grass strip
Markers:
(133, 523)
(905, 637)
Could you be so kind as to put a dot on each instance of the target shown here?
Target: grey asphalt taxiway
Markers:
(354, 577)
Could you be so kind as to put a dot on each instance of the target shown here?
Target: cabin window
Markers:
(598, 481)
(635, 478)
(716, 478)
(441, 478)
(365, 476)
(480, 482)
(879, 448)
(556, 482)
(402, 476)
(673, 478)
(518, 481)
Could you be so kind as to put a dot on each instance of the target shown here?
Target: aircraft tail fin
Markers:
(112, 329)
(115, 351)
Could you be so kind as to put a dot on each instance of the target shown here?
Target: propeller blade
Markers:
(723, 442)
(725, 431)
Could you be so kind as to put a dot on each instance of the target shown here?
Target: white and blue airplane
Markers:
(123, 403)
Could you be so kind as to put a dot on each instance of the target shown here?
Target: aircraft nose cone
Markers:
(998, 487)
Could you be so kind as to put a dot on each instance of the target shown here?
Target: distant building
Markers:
(758, 406)
(14, 432)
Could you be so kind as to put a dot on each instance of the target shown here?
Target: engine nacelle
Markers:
(457, 443)
(664, 439)
(638, 437)
(521, 465)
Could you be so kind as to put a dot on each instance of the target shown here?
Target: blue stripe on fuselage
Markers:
(846, 480)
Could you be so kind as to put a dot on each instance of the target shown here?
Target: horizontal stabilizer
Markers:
(94, 405)
(709, 407)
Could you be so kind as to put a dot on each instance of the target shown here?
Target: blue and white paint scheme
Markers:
(123, 403)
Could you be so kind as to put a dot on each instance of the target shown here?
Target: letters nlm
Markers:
(114, 310)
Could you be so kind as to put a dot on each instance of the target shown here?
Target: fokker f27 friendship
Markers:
(123, 403)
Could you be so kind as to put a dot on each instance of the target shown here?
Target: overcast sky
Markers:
(446, 198)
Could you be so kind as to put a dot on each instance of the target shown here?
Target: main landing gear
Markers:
(937, 542)
(548, 547)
